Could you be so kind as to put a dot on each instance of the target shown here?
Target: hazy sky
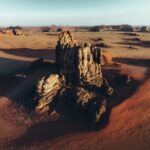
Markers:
(74, 12)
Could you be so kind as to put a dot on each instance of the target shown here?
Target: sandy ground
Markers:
(128, 125)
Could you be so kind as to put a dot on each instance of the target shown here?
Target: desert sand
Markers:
(128, 125)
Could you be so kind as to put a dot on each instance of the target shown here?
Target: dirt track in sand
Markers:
(129, 121)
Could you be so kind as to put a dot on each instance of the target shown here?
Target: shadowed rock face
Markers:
(80, 81)
(65, 50)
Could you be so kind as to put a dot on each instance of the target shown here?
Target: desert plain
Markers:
(128, 125)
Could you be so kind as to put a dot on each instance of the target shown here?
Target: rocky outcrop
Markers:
(81, 63)
(15, 32)
(64, 49)
(79, 80)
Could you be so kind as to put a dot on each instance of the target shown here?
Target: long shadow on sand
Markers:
(12, 73)
(133, 61)
(53, 34)
(31, 53)
(48, 131)
(136, 42)
(19, 78)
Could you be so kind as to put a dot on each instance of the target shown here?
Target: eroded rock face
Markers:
(88, 66)
(79, 81)
(47, 89)
(78, 63)
(64, 49)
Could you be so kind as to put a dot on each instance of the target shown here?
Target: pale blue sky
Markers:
(74, 12)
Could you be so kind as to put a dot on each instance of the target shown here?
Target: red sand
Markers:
(129, 122)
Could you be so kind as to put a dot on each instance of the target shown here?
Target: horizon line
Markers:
(73, 25)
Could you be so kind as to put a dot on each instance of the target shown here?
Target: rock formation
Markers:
(11, 32)
(79, 80)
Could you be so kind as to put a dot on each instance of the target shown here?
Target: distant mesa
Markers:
(54, 28)
(123, 28)
(45, 29)
(145, 29)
